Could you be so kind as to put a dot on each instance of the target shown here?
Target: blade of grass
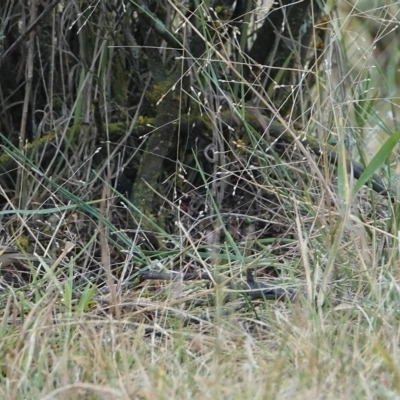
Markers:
(377, 161)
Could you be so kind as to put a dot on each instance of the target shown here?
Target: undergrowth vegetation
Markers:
(217, 183)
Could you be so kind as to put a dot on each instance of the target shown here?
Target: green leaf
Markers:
(377, 161)
(343, 180)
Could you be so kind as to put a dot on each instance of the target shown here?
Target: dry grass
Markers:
(278, 352)
(64, 335)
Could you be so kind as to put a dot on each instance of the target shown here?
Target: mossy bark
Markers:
(166, 102)
(158, 145)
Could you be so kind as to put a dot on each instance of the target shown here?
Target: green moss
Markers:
(144, 121)
(33, 145)
(22, 243)
(116, 127)
(224, 13)
(159, 90)
(37, 142)
(4, 158)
